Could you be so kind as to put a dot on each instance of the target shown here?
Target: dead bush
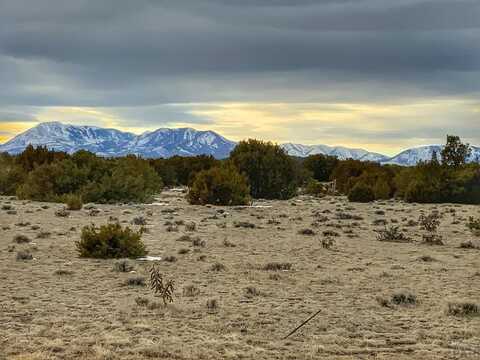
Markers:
(24, 255)
(392, 234)
(277, 266)
(123, 265)
(62, 213)
(463, 309)
(21, 239)
(429, 222)
(191, 291)
(160, 286)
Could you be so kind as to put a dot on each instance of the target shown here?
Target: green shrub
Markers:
(131, 180)
(382, 190)
(85, 175)
(361, 193)
(271, 173)
(110, 241)
(219, 186)
(315, 188)
(73, 202)
(422, 191)
(11, 175)
(321, 166)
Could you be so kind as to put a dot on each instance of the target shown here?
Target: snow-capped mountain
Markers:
(412, 156)
(71, 138)
(338, 151)
(184, 142)
(111, 142)
(166, 142)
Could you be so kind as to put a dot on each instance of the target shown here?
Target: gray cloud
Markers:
(140, 55)
(157, 45)
(8, 116)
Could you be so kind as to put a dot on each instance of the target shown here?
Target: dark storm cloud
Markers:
(148, 52)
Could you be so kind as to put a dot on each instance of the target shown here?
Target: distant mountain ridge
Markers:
(166, 142)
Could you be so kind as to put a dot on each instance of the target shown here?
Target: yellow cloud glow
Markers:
(385, 128)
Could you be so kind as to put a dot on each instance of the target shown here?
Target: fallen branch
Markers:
(302, 324)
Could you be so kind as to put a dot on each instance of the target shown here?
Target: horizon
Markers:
(366, 75)
(192, 128)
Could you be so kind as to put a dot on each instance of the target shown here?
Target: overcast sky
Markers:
(382, 75)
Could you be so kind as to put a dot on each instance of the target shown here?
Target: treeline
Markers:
(255, 169)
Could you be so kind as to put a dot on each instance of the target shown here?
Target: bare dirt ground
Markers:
(60, 306)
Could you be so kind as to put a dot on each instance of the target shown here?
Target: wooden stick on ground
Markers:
(302, 324)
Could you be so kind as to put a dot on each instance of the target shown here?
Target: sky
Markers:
(375, 74)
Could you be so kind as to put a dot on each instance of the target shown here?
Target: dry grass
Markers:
(59, 306)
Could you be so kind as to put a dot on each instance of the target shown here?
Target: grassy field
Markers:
(244, 278)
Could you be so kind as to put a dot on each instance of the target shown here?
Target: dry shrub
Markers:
(190, 226)
(277, 266)
(474, 225)
(212, 305)
(244, 224)
(123, 265)
(251, 291)
(429, 222)
(62, 213)
(432, 239)
(218, 267)
(160, 286)
(21, 239)
(404, 298)
(328, 242)
(191, 291)
(468, 245)
(307, 231)
(24, 255)
(136, 281)
(463, 309)
(139, 220)
(392, 234)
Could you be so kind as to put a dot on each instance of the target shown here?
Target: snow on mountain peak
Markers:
(167, 142)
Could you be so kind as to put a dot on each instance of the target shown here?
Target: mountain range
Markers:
(166, 142)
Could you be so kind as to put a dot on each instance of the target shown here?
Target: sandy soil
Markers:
(60, 306)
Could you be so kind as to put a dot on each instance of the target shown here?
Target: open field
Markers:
(60, 306)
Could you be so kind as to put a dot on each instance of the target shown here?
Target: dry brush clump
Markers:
(21, 239)
(463, 309)
(190, 226)
(139, 220)
(392, 234)
(161, 286)
(469, 245)
(474, 225)
(123, 265)
(308, 232)
(328, 242)
(191, 291)
(212, 305)
(430, 224)
(218, 267)
(277, 266)
(62, 213)
(24, 255)
(399, 298)
(110, 241)
(136, 281)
